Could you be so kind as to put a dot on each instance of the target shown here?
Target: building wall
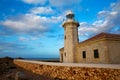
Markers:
(109, 52)
(114, 51)
(71, 39)
(62, 55)
(89, 47)
(69, 72)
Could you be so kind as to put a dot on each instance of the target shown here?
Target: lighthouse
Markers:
(70, 26)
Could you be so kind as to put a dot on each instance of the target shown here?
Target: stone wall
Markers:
(69, 72)
(108, 50)
(114, 51)
(89, 49)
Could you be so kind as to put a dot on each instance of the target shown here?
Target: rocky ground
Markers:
(9, 71)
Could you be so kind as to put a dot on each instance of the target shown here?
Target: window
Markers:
(84, 54)
(96, 54)
(78, 39)
(65, 37)
(65, 53)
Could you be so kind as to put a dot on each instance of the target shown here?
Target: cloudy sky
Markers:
(33, 28)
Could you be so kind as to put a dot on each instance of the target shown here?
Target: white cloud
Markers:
(31, 23)
(34, 38)
(42, 10)
(63, 3)
(42, 2)
(23, 39)
(114, 13)
(103, 13)
(28, 38)
(26, 23)
(85, 29)
(108, 22)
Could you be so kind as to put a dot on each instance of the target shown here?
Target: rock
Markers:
(20, 76)
(8, 77)
(19, 58)
(57, 79)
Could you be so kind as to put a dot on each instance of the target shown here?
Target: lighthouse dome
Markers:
(69, 15)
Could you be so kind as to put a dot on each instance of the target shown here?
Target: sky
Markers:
(33, 28)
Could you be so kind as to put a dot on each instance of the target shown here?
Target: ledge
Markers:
(90, 65)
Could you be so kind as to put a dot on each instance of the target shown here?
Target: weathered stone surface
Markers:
(21, 76)
(71, 73)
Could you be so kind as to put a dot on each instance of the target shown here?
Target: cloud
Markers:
(31, 23)
(23, 38)
(11, 47)
(28, 38)
(62, 3)
(5, 31)
(108, 21)
(15, 49)
(34, 38)
(42, 2)
(42, 10)
(26, 23)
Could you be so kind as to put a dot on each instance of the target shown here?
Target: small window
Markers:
(96, 54)
(65, 37)
(84, 54)
(65, 53)
(78, 39)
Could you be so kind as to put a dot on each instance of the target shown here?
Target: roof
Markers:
(103, 35)
(69, 12)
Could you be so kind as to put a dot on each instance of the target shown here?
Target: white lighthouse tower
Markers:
(70, 37)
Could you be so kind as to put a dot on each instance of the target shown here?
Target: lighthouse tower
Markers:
(70, 37)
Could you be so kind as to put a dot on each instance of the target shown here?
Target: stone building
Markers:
(102, 48)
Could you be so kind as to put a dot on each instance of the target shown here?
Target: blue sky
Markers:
(33, 28)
